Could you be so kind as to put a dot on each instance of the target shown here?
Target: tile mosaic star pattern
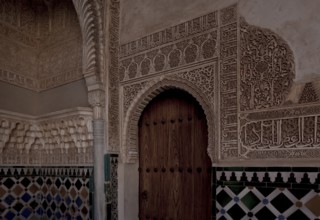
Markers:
(261, 194)
(50, 193)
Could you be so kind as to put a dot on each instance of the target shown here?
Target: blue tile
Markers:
(26, 197)
(10, 215)
(26, 213)
(9, 199)
(39, 211)
(78, 202)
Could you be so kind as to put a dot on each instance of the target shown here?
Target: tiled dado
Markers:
(46, 192)
(257, 193)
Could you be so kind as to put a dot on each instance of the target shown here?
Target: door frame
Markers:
(128, 175)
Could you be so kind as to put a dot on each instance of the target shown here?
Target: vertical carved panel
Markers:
(114, 76)
(228, 82)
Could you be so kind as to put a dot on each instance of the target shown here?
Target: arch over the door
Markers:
(130, 134)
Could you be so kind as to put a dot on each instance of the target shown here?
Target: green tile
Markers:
(250, 200)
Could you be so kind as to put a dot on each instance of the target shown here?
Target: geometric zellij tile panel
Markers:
(45, 193)
(263, 194)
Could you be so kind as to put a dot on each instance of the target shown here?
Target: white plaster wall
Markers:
(17, 99)
(296, 21)
(20, 100)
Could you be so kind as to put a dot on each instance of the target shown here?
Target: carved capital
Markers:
(96, 98)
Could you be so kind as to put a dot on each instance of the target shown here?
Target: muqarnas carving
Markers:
(267, 68)
(61, 140)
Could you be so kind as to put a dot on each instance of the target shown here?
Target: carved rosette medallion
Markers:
(267, 68)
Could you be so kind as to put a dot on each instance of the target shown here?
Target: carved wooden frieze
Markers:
(61, 138)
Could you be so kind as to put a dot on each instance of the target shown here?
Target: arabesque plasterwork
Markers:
(245, 97)
(59, 42)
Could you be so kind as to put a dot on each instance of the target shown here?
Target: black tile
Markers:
(26, 181)
(279, 169)
(304, 186)
(292, 178)
(256, 184)
(49, 182)
(9, 183)
(298, 215)
(305, 179)
(233, 177)
(318, 179)
(222, 177)
(279, 178)
(34, 204)
(279, 185)
(236, 212)
(223, 198)
(265, 214)
(254, 178)
(281, 203)
(233, 169)
(255, 169)
(67, 184)
(78, 184)
(299, 193)
(243, 177)
(58, 183)
(265, 191)
(39, 181)
(266, 178)
(305, 169)
(18, 206)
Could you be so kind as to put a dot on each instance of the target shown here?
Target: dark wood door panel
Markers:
(174, 182)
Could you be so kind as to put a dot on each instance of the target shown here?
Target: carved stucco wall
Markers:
(254, 108)
(42, 43)
(52, 43)
(296, 21)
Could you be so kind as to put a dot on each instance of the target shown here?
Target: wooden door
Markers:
(174, 168)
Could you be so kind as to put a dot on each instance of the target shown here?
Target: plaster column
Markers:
(99, 144)
(96, 99)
